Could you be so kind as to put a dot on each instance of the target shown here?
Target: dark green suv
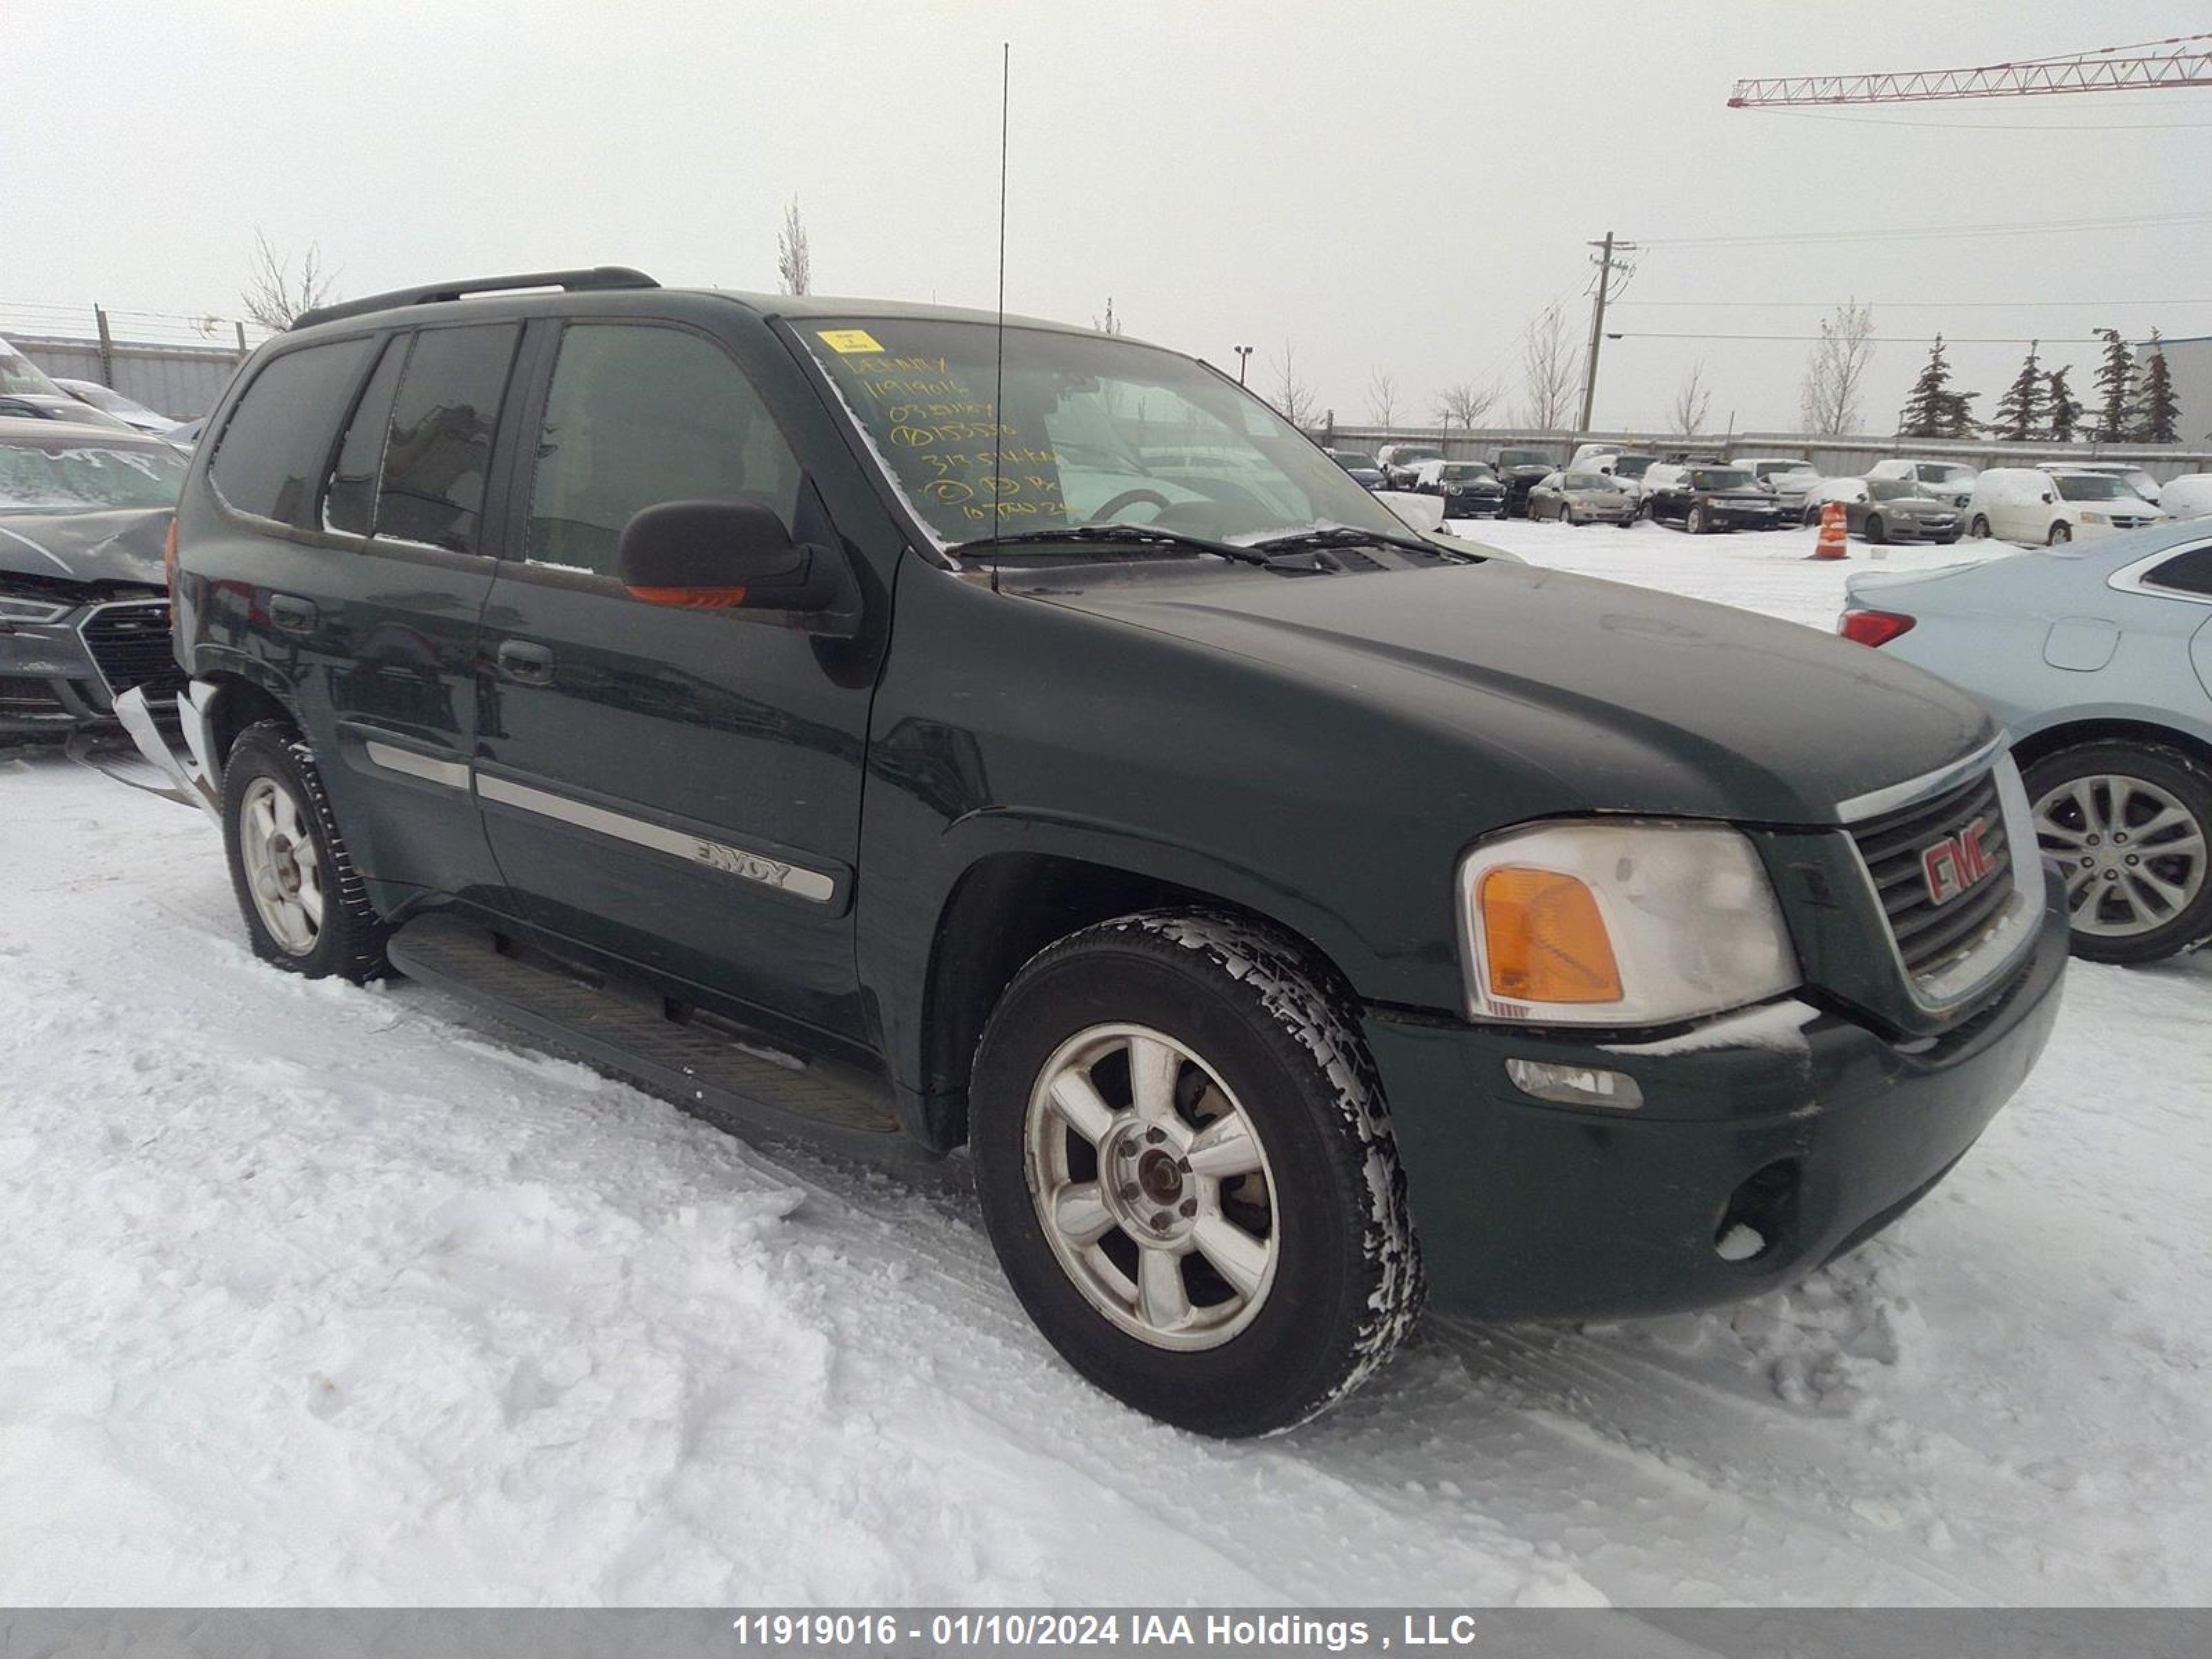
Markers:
(849, 717)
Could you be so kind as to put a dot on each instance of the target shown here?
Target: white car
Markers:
(1791, 478)
(1940, 481)
(2189, 496)
(129, 411)
(2045, 506)
(2127, 472)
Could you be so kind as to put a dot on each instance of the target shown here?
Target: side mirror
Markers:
(2048, 499)
(723, 554)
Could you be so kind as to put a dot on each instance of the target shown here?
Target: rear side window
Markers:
(2185, 573)
(439, 448)
(639, 414)
(349, 502)
(270, 458)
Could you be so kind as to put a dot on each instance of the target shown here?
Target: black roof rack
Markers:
(598, 276)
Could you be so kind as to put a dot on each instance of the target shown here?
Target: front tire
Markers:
(304, 907)
(2061, 533)
(2130, 824)
(1877, 531)
(1696, 522)
(1979, 529)
(1186, 1168)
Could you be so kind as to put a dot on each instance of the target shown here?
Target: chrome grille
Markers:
(1931, 936)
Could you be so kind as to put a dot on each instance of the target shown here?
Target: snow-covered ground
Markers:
(310, 1293)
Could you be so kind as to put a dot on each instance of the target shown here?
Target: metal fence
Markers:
(1834, 457)
(175, 364)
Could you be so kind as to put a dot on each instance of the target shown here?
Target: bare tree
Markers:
(1550, 365)
(794, 264)
(274, 293)
(1464, 403)
(1382, 396)
(1294, 398)
(1693, 400)
(1836, 373)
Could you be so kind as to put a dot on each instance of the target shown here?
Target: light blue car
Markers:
(2097, 660)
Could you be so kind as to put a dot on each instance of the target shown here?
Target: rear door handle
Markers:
(524, 663)
(292, 614)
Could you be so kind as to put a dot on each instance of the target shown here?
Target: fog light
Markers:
(1575, 1085)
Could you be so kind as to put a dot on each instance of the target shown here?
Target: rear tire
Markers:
(1979, 529)
(2061, 533)
(2099, 804)
(1238, 1300)
(306, 909)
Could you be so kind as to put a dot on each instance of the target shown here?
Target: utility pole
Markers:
(1606, 264)
(1243, 357)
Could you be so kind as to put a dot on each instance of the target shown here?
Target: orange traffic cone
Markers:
(1831, 533)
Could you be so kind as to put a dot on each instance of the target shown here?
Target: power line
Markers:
(1926, 305)
(1891, 339)
(2019, 227)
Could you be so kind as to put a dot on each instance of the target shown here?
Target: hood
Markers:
(122, 544)
(1596, 695)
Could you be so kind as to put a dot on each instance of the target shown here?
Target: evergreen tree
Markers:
(2161, 409)
(1928, 406)
(2116, 386)
(2019, 412)
(2063, 409)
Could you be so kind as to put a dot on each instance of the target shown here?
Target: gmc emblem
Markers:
(1955, 863)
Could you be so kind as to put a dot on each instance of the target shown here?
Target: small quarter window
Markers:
(270, 458)
(2184, 572)
(350, 500)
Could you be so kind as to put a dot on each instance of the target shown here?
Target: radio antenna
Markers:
(998, 390)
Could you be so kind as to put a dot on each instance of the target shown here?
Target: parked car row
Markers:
(28, 392)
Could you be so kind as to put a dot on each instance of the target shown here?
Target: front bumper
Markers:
(1924, 530)
(1527, 1210)
(53, 682)
(1467, 504)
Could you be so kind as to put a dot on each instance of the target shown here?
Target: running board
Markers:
(688, 1058)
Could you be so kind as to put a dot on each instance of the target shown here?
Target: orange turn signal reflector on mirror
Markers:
(1544, 939)
(690, 599)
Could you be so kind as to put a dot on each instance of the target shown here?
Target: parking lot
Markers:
(284, 1252)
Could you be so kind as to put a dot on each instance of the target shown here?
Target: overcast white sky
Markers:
(1399, 185)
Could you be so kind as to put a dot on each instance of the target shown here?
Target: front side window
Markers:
(1095, 430)
(271, 456)
(73, 478)
(439, 448)
(640, 414)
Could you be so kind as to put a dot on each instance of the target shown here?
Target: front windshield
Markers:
(1719, 478)
(1095, 430)
(86, 477)
(1587, 481)
(1352, 458)
(1891, 489)
(1522, 457)
(1463, 470)
(1783, 469)
(1944, 473)
(18, 373)
(1633, 466)
(2092, 486)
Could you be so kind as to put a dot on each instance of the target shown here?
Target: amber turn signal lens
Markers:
(691, 598)
(169, 560)
(1544, 939)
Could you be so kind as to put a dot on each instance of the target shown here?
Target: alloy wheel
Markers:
(1152, 1186)
(283, 871)
(2134, 855)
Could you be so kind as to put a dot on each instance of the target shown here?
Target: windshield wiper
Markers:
(1088, 534)
(1343, 535)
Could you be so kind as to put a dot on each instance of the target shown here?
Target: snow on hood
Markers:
(121, 545)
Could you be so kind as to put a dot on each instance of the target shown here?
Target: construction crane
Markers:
(2184, 60)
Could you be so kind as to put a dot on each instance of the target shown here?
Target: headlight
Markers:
(31, 610)
(1636, 923)
(2090, 517)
